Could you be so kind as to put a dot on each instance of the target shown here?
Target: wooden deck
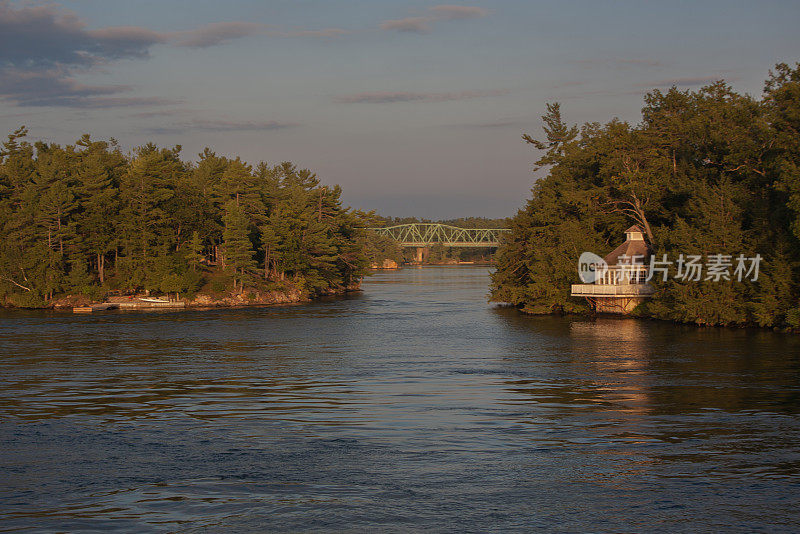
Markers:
(96, 307)
(133, 304)
(611, 290)
(140, 304)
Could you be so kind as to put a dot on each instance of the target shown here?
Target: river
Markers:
(411, 406)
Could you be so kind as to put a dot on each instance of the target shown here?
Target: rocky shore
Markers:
(200, 300)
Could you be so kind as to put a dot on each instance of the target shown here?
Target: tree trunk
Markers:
(643, 219)
(674, 164)
(219, 256)
(16, 284)
(101, 267)
(60, 237)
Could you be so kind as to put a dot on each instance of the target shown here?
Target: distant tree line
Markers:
(86, 218)
(462, 222)
(705, 172)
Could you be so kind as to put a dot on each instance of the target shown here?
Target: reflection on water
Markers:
(410, 406)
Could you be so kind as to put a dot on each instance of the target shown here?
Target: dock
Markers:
(96, 307)
(121, 303)
(141, 304)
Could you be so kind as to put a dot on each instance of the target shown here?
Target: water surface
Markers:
(411, 406)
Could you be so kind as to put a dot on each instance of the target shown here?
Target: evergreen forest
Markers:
(705, 172)
(86, 219)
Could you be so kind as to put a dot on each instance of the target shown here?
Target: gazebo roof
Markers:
(630, 248)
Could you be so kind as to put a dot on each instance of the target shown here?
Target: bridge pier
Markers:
(422, 254)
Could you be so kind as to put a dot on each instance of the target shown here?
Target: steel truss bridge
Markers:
(427, 234)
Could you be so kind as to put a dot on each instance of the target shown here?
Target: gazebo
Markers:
(622, 285)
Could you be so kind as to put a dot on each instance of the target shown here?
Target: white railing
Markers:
(608, 290)
(623, 274)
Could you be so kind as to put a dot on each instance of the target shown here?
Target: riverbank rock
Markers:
(386, 264)
(70, 301)
(249, 298)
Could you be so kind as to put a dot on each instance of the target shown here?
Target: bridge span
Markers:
(427, 234)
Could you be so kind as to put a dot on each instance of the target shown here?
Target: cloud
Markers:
(325, 32)
(54, 87)
(159, 113)
(499, 123)
(126, 41)
(422, 24)
(451, 12)
(44, 36)
(43, 48)
(567, 84)
(602, 92)
(619, 62)
(250, 126)
(409, 25)
(113, 102)
(46, 87)
(222, 126)
(407, 96)
(217, 33)
(681, 82)
(640, 62)
(23, 84)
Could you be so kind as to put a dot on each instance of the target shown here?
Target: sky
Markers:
(415, 108)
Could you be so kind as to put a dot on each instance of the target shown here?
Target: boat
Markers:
(157, 300)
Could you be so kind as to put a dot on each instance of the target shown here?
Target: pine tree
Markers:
(98, 197)
(269, 243)
(194, 251)
(557, 133)
(237, 245)
(145, 191)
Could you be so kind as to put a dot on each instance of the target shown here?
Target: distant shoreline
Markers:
(438, 264)
(199, 301)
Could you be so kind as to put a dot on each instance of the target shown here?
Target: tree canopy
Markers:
(704, 172)
(86, 218)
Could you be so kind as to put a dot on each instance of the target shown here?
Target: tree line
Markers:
(705, 172)
(461, 222)
(87, 219)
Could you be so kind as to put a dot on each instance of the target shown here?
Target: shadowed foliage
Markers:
(85, 219)
(705, 172)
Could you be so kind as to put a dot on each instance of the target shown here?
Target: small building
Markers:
(622, 284)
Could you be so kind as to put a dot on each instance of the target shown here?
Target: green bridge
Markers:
(427, 234)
